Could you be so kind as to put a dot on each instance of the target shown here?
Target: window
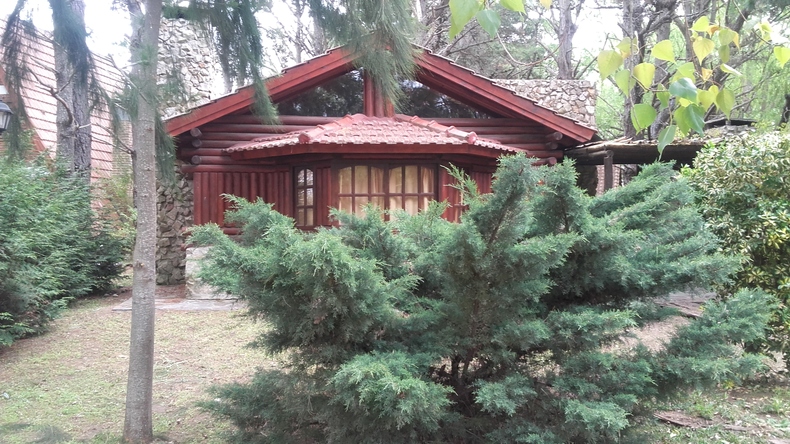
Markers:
(406, 187)
(305, 198)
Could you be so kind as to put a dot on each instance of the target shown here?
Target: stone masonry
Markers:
(185, 50)
(571, 98)
(174, 215)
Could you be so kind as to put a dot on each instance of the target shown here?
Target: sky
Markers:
(107, 28)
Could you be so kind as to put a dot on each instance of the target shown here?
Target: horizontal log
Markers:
(485, 131)
(224, 160)
(462, 122)
(186, 154)
(240, 137)
(508, 139)
(545, 154)
(195, 132)
(285, 120)
(216, 144)
(197, 143)
(261, 167)
(253, 128)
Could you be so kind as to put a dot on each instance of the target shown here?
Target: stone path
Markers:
(172, 297)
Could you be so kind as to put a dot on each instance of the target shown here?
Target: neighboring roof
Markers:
(41, 105)
(627, 151)
(368, 133)
(436, 72)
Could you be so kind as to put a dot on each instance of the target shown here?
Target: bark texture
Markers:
(138, 422)
(72, 90)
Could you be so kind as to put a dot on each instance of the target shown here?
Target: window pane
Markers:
(300, 198)
(309, 218)
(411, 204)
(300, 217)
(411, 179)
(376, 180)
(396, 180)
(396, 203)
(300, 178)
(360, 202)
(360, 180)
(426, 180)
(309, 177)
(344, 179)
(344, 204)
(377, 201)
(425, 201)
(309, 199)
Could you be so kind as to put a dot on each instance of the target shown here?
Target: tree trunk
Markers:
(73, 107)
(565, 31)
(138, 425)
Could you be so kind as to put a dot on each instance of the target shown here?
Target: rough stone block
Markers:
(195, 288)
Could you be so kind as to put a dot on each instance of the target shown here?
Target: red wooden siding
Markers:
(271, 186)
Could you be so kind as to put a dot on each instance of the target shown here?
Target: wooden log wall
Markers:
(272, 186)
(215, 173)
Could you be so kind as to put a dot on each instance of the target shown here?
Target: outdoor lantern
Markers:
(5, 116)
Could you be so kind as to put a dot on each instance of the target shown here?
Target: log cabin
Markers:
(339, 144)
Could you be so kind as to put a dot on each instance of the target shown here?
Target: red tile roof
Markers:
(360, 129)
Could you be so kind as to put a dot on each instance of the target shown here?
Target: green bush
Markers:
(52, 247)
(500, 328)
(744, 192)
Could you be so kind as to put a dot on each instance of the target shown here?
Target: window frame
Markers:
(387, 194)
(305, 187)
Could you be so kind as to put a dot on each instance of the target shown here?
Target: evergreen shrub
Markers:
(505, 327)
(52, 247)
(743, 185)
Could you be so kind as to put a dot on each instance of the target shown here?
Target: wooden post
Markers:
(608, 173)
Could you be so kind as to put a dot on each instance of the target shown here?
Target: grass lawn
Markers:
(69, 385)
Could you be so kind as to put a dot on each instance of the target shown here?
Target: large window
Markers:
(305, 198)
(407, 187)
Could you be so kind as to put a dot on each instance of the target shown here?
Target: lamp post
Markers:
(5, 116)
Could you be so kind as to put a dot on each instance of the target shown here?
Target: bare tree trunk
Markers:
(565, 31)
(138, 425)
(73, 107)
(633, 13)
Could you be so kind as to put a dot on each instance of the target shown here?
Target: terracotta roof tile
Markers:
(360, 129)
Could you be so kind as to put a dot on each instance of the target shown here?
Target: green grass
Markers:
(69, 385)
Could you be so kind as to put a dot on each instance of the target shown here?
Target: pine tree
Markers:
(496, 329)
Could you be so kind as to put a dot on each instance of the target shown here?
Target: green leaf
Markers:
(685, 70)
(642, 115)
(489, 21)
(690, 117)
(624, 81)
(662, 95)
(706, 98)
(725, 101)
(702, 47)
(627, 46)
(546, 4)
(608, 62)
(702, 24)
(729, 69)
(782, 54)
(724, 53)
(513, 5)
(644, 73)
(727, 36)
(461, 12)
(663, 51)
(665, 137)
(684, 88)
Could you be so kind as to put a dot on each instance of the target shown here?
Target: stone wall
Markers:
(185, 50)
(571, 98)
(174, 215)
